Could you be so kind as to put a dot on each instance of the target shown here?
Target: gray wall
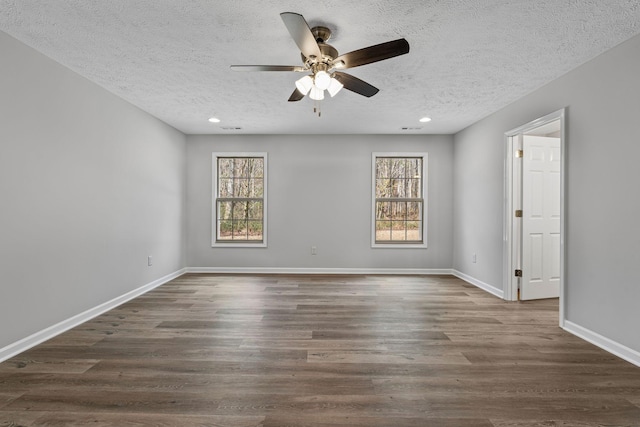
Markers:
(89, 186)
(320, 195)
(602, 204)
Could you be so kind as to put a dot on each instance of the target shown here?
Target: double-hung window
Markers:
(239, 199)
(399, 200)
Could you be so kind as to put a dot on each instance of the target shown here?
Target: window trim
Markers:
(214, 200)
(425, 200)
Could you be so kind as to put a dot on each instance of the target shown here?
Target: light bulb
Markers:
(316, 94)
(322, 80)
(304, 85)
(334, 87)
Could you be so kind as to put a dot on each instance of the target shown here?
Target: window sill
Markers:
(399, 245)
(239, 245)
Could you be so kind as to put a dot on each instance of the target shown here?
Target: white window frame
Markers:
(399, 245)
(214, 198)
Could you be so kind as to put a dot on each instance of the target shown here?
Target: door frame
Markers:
(512, 229)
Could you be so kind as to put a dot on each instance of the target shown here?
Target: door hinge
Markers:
(519, 213)
(518, 273)
(519, 153)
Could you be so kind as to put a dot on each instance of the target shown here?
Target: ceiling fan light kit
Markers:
(334, 87)
(323, 62)
(305, 84)
(321, 80)
(316, 94)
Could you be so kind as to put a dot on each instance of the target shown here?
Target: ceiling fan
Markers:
(323, 62)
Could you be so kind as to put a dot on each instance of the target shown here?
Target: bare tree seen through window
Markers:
(240, 202)
(399, 202)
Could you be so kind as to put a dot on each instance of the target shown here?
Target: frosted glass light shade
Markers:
(322, 80)
(304, 84)
(316, 94)
(334, 87)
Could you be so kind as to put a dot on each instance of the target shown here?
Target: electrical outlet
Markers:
(474, 258)
(149, 260)
(314, 250)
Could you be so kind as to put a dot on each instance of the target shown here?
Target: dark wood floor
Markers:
(276, 351)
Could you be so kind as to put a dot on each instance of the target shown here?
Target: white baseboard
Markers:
(480, 284)
(39, 337)
(281, 270)
(623, 352)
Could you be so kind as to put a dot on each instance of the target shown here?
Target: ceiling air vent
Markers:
(231, 128)
(411, 128)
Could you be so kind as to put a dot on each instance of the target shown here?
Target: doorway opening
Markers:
(534, 210)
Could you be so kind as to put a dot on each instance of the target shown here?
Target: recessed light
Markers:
(214, 120)
(425, 119)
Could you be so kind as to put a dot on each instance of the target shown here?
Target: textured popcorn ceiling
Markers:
(468, 58)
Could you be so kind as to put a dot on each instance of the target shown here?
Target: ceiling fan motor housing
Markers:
(329, 53)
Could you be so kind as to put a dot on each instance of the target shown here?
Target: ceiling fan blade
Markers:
(371, 54)
(296, 96)
(356, 85)
(268, 68)
(301, 33)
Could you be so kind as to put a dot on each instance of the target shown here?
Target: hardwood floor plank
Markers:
(19, 418)
(8, 396)
(382, 333)
(559, 423)
(294, 350)
(311, 344)
(71, 419)
(350, 421)
(359, 356)
(49, 365)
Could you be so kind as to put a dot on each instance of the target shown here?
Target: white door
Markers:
(540, 218)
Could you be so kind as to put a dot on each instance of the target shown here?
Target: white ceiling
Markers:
(468, 59)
